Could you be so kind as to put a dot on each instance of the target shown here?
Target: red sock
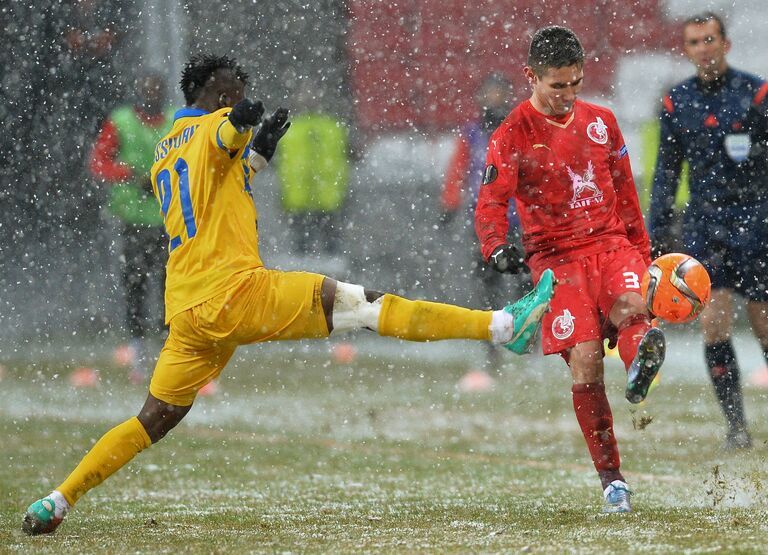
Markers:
(594, 415)
(631, 332)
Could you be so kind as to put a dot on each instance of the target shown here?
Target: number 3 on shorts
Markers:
(632, 280)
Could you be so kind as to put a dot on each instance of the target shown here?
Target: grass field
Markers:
(297, 453)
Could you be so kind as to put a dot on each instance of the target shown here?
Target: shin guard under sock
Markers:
(631, 332)
(596, 421)
(428, 321)
(113, 451)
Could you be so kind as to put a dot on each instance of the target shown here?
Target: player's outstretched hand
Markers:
(271, 130)
(246, 114)
(508, 259)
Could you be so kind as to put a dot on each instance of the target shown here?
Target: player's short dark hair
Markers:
(200, 68)
(703, 17)
(554, 47)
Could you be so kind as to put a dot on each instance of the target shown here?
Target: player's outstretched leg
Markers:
(110, 453)
(515, 326)
(646, 364)
(113, 451)
(617, 498)
(528, 312)
(349, 307)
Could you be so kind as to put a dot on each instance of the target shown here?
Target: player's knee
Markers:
(371, 296)
(628, 306)
(586, 362)
(159, 417)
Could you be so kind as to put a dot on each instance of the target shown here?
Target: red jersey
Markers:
(572, 183)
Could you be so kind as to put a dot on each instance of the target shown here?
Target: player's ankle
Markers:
(502, 327)
(61, 504)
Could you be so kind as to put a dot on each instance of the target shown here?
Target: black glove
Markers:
(270, 131)
(508, 259)
(246, 114)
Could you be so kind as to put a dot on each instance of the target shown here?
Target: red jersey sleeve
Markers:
(456, 177)
(499, 186)
(103, 162)
(627, 203)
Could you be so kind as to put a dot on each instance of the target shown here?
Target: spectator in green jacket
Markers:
(122, 157)
(313, 170)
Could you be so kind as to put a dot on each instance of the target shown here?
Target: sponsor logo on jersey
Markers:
(585, 192)
(490, 174)
(622, 151)
(563, 326)
(598, 131)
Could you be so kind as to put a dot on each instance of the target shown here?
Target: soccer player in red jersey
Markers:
(565, 164)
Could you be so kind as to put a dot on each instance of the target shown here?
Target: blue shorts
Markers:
(735, 254)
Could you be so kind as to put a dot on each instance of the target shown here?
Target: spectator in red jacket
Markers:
(461, 187)
(122, 157)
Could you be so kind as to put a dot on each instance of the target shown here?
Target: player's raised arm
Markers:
(234, 131)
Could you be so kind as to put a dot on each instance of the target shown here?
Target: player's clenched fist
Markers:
(508, 259)
(271, 130)
(246, 113)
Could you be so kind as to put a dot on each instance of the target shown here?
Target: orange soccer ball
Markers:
(676, 288)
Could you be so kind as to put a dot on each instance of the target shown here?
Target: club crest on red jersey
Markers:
(598, 131)
(585, 191)
(563, 326)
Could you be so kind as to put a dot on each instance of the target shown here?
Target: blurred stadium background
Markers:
(305, 447)
(401, 74)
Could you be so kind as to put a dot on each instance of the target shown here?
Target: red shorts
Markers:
(586, 291)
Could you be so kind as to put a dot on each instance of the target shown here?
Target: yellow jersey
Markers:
(201, 177)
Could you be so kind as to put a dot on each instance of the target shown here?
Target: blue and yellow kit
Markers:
(218, 294)
(201, 179)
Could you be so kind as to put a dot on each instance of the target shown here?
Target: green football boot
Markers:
(528, 312)
(41, 517)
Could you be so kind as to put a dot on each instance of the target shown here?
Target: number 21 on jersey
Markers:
(181, 171)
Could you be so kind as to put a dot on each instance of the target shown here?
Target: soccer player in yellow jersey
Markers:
(219, 294)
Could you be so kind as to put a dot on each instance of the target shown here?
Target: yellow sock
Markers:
(427, 321)
(113, 451)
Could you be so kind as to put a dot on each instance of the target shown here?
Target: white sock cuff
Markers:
(352, 311)
(502, 327)
(61, 506)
